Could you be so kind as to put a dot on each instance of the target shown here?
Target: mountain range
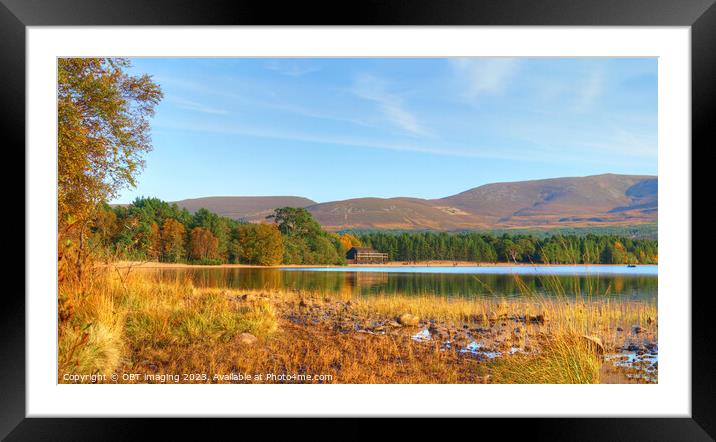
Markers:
(597, 200)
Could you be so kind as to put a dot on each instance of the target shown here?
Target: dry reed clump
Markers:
(90, 330)
(179, 320)
(564, 359)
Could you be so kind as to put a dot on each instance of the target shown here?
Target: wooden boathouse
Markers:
(365, 255)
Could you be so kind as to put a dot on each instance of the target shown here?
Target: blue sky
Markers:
(331, 129)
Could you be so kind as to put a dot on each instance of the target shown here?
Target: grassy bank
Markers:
(119, 321)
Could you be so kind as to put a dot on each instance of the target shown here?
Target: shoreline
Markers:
(392, 264)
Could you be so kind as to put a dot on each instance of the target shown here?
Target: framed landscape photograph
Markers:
(347, 221)
(358, 220)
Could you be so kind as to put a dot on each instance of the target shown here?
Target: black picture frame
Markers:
(699, 15)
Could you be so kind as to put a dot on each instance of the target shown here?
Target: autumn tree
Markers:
(203, 245)
(104, 226)
(219, 226)
(103, 132)
(172, 240)
(348, 240)
(260, 244)
(155, 238)
(614, 254)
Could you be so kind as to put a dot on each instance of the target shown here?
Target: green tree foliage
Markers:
(153, 229)
(481, 247)
(295, 221)
(305, 242)
(136, 237)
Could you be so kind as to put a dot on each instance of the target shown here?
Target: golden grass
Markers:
(122, 316)
(136, 323)
(90, 331)
(564, 360)
(339, 358)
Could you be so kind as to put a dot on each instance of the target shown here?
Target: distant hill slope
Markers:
(598, 198)
(390, 213)
(592, 200)
(558, 202)
(250, 208)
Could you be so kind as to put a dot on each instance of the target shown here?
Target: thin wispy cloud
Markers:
(474, 150)
(483, 76)
(256, 97)
(611, 140)
(590, 91)
(309, 112)
(631, 143)
(185, 84)
(197, 107)
(391, 105)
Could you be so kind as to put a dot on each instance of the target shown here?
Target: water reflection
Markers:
(637, 287)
